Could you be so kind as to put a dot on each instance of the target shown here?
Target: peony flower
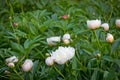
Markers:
(53, 40)
(63, 54)
(27, 65)
(66, 38)
(49, 61)
(105, 26)
(12, 59)
(11, 65)
(110, 38)
(117, 23)
(93, 24)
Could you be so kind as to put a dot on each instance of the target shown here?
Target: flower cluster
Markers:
(27, 65)
(54, 40)
(94, 24)
(61, 55)
(11, 60)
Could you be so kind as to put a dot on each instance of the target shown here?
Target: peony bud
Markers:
(98, 55)
(110, 38)
(65, 16)
(66, 41)
(27, 65)
(49, 61)
(117, 23)
(93, 24)
(11, 65)
(15, 24)
(10, 18)
(105, 26)
(7, 72)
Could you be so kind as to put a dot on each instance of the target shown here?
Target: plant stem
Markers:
(98, 43)
(18, 74)
(59, 72)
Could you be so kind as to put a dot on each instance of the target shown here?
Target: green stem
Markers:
(59, 72)
(18, 74)
(98, 43)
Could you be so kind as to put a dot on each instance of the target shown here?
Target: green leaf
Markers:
(94, 75)
(107, 58)
(34, 69)
(116, 45)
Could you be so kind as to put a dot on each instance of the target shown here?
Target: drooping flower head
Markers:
(109, 38)
(105, 26)
(93, 24)
(12, 59)
(117, 22)
(53, 40)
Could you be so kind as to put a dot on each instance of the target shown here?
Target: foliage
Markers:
(40, 19)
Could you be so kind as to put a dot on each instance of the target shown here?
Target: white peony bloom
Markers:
(105, 26)
(117, 23)
(27, 65)
(49, 61)
(93, 24)
(53, 40)
(63, 54)
(12, 59)
(110, 38)
(66, 38)
(11, 65)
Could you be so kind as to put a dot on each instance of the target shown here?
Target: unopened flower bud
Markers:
(105, 26)
(27, 65)
(11, 65)
(7, 72)
(110, 38)
(10, 18)
(47, 54)
(49, 61)
(98, 55)
(65, 16)
(117, 23)
(15, 24)
(66, 41)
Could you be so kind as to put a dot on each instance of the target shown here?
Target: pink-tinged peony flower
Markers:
(15, 24)
(27, 65)
(117, 23)
(53, 40)
(93, 24)
(65, 16)
(109, 38)
(12, 59)
(105, 26)
(49, 61)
